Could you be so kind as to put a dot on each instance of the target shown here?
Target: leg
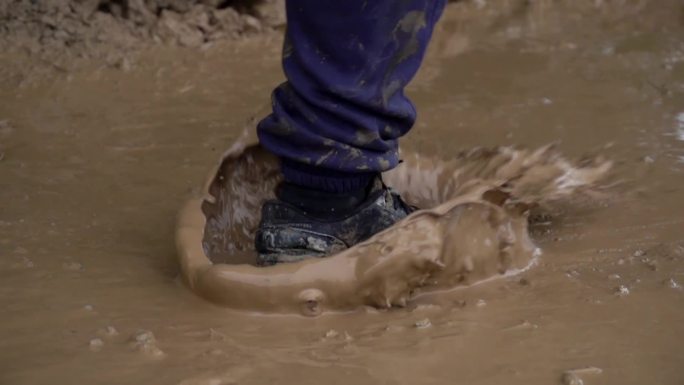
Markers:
(336, 121)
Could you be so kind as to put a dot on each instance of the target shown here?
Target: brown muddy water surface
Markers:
(95, 164)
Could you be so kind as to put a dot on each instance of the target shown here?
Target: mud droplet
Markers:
(423, 324)
(145, 342)
(109, 331)
(650, 263)
(570, 378)
(96, 344)
(215, 335)
(573, 377)
(25, 263)
(332, 333)
(72, 266)
(215, 352)
(622, 291)
(394, 328)
(672, 284)
(572, 274)
(525, 325)
(88, 307)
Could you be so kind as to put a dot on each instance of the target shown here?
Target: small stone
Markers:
(614, 276)
(546, 101)
(481, 303)
(639, 253)
(423, 324)
(88, 307)
(96, 344)
(622, 290)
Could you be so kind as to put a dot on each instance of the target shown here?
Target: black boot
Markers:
(304, 223)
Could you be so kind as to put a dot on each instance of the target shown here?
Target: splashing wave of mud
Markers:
(473, 227)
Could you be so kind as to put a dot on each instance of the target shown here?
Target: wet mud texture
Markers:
(96, 162)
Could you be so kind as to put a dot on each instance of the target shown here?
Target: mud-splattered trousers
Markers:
(336, 120)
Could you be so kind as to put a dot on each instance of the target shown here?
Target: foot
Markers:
(303, 223)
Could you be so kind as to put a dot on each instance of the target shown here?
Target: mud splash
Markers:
(472, 227)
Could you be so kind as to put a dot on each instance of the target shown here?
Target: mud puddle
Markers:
(96, 163)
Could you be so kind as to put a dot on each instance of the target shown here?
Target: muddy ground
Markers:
(95, 161)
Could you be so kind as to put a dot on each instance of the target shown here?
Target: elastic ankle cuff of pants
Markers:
(324, 179)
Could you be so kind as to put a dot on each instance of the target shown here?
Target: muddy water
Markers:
(96, 163)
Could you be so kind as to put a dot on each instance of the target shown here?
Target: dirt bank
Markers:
(61, 31)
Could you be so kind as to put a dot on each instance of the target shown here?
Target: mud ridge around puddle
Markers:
(95, 164)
